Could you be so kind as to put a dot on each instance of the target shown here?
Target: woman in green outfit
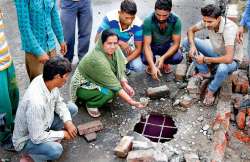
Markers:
(100, 76)
(9, 94)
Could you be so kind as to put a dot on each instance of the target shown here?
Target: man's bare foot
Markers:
(202, 75)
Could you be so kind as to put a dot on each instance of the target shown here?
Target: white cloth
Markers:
(35, 115)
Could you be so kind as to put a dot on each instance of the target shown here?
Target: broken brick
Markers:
(90, 127)
(125, 145)
(90, 137)
(194, 85)
(141, 156)
(240, 81)
(180, 72)
(186, 101)
(226, 90)
(158, 92)
(241, 119)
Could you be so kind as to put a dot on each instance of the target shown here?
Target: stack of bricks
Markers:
(240, 81)
(88, 130)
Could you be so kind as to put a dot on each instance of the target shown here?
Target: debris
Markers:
(144, 100)
(90, 127)
(186, 101)
(180, 72)
(125, 145)
(191, 157)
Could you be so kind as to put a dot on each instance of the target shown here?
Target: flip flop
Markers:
(93, 112)
(208, 100)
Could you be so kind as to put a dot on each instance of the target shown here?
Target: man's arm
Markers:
(191, 34)
(104, 25)
(136, 52)
(172, 50)
(148, 51)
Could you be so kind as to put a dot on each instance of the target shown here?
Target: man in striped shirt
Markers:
(42, 114)
(9, 95)
(128, 27)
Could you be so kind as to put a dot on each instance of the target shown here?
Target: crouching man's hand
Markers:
(70, 129)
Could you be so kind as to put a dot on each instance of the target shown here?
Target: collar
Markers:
(118, 20)
(222, 25)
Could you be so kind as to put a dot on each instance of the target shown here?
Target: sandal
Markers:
(93, 112)
(208, 100)
(167, 69)
(202, 75)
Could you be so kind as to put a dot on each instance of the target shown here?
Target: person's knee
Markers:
(55, 151)
(73, 109)
(222, 69)
(136, 65)
(185, 43)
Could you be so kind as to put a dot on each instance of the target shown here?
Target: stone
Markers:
(180, 72)
(193, 85)
(90, 127)
(141, 156)
(191, 157)
(90, 137)
(158, 92)
(124, 146)
(205, 127)
(240, 81)
(226, 90)
(177, 102)
(144, 101)
(140, 145)
(186, 101)
(200, 118)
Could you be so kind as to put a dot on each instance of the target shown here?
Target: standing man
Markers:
(162, 36)
(128, 27)
(39, 23)
(43, 119)
(9, 94)
(80, 10)
(219, 50)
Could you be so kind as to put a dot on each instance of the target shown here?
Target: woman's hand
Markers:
(137, 104)
(127, 88)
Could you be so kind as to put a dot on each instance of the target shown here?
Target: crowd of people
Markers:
(35, 125)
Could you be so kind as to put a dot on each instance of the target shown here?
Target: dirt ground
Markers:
(119, 118)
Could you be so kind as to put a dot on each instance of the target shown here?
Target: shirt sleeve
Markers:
(229, 35)
(104, 25)
(177, 27)
(147, 27)
(200, 25)
(25, 28)
(56, 24)
(138, 34)
(62, 109)
(36, 126)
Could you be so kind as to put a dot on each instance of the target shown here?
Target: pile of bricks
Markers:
(240, 81)
(88, 130)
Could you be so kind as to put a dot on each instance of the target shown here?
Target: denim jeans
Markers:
(222, 71)
(136, 65)
(161, 50)
(49, 150)
(82, 12)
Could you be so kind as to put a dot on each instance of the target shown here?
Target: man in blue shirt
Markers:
(39, 23)
(128, 27)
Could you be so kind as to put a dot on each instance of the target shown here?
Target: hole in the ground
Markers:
(157, 128)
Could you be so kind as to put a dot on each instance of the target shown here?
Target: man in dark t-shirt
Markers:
(162, 36)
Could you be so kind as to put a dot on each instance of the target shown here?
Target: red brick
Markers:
(180, 72)
(90, 137)
(141, 156)
(90, 127)
(125, 145)
(226, 90)
(158, 92)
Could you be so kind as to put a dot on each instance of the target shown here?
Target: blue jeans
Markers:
(161, 50)
(136, 65)
(82, 12)
(49, 150)
(222, 71)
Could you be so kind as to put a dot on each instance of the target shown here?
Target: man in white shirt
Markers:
(219, 50)
(42, 114)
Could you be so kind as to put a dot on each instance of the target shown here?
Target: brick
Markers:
(226, 90)
(158, 92)
(125, 145)
(141, 156)
(191, 157)
(140, 145)
(236, 99)
(186, 101)
(90, 127)
(193, 85)
(240, 81)
(180, 72)
(90, 137)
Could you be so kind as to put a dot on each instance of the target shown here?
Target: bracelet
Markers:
(204, 60)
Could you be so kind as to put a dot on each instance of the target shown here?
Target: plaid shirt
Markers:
(39, 23)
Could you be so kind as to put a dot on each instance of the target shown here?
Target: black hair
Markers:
(107, 33)
(54, 66)
(128, 6)
(213, 10)
(163, 5)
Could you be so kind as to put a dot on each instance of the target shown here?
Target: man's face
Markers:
(61, 80)
(162, 15)
(126, 18)
(211, 23)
